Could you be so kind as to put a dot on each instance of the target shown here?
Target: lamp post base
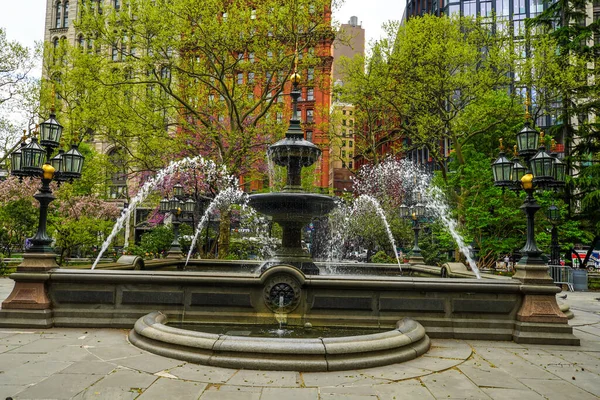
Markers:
(532, 270)
(416, 259)
(29, 292)
(541, 308)
(174, 254)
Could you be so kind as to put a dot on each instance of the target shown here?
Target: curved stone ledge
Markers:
(404, 343)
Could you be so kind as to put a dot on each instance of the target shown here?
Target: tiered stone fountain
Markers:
(293, 208)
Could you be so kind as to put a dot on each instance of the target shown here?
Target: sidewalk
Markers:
(63, 363)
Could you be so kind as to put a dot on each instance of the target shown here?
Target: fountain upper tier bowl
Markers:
(292, 207)
(284, 151)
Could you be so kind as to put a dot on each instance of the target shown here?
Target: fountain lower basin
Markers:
(406, 342)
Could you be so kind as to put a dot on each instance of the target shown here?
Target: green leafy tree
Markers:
(168, 79)
(578, 125)
(158, 241)
(431, 70)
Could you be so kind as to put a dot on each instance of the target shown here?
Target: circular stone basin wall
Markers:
(404, 343)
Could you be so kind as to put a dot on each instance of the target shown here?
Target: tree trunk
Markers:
(224, 233)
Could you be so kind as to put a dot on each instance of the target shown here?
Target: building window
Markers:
(240, 78)
(253, 14)
(344, 122)
(311, 74)
(279, 117)
(250, 77)
(350, 144)
(309, 136)
(350, 132)
(58, 15)
(343, 153)
(65, 23)
(221, 118)
(310, 94)
(309, 116)
(350, 164)
(344, 112)
(115, 53)
(251, 57)
(80, 42)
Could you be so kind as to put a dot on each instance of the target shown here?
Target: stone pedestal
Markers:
(28, 305)
(30, 293)
(416, 260)
(538, 307)
(541, 308)
(174, 255)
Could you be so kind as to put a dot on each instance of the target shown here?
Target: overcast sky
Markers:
(24, 19)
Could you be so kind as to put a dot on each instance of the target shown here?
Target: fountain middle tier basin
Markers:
(406, 342)
(292, 207)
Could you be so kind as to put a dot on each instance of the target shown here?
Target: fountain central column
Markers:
(293, 208)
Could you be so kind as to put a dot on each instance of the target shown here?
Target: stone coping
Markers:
(404, 343)
(242, 278)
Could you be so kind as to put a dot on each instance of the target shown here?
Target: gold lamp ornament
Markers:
(48, 171)
(527, 181)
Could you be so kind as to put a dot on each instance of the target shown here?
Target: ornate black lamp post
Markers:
(542, 171)
(553, 215)
(416, 213)
(179, 207)
(34, 160)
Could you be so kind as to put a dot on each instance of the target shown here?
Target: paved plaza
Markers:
(63, 363)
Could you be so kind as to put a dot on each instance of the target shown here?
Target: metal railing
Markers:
(562, 275)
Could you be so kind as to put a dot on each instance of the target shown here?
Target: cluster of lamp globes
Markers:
(33, 159)
(543, 170)
(176, 204)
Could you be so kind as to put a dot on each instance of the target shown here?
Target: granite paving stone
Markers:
(460, 350)
(511, 394)
(395, 372)
(453, 385)
(312, 379)
(89, 368)
(365, 390)
(173, 389)
(220, 395)
(409, 389)
(265, 378)
(557, 389)
(201, 373)
(570, 372)
(336, 396)
(124, 384)
(516, 366)
(59, 386)
(115, 352)
(42, 346)
(11, 390)
(289, 393)
(218, 387)
(490, 377)
(149, 363)
(432, 363)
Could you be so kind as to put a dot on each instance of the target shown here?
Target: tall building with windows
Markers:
(349, 43)
(313, 106)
